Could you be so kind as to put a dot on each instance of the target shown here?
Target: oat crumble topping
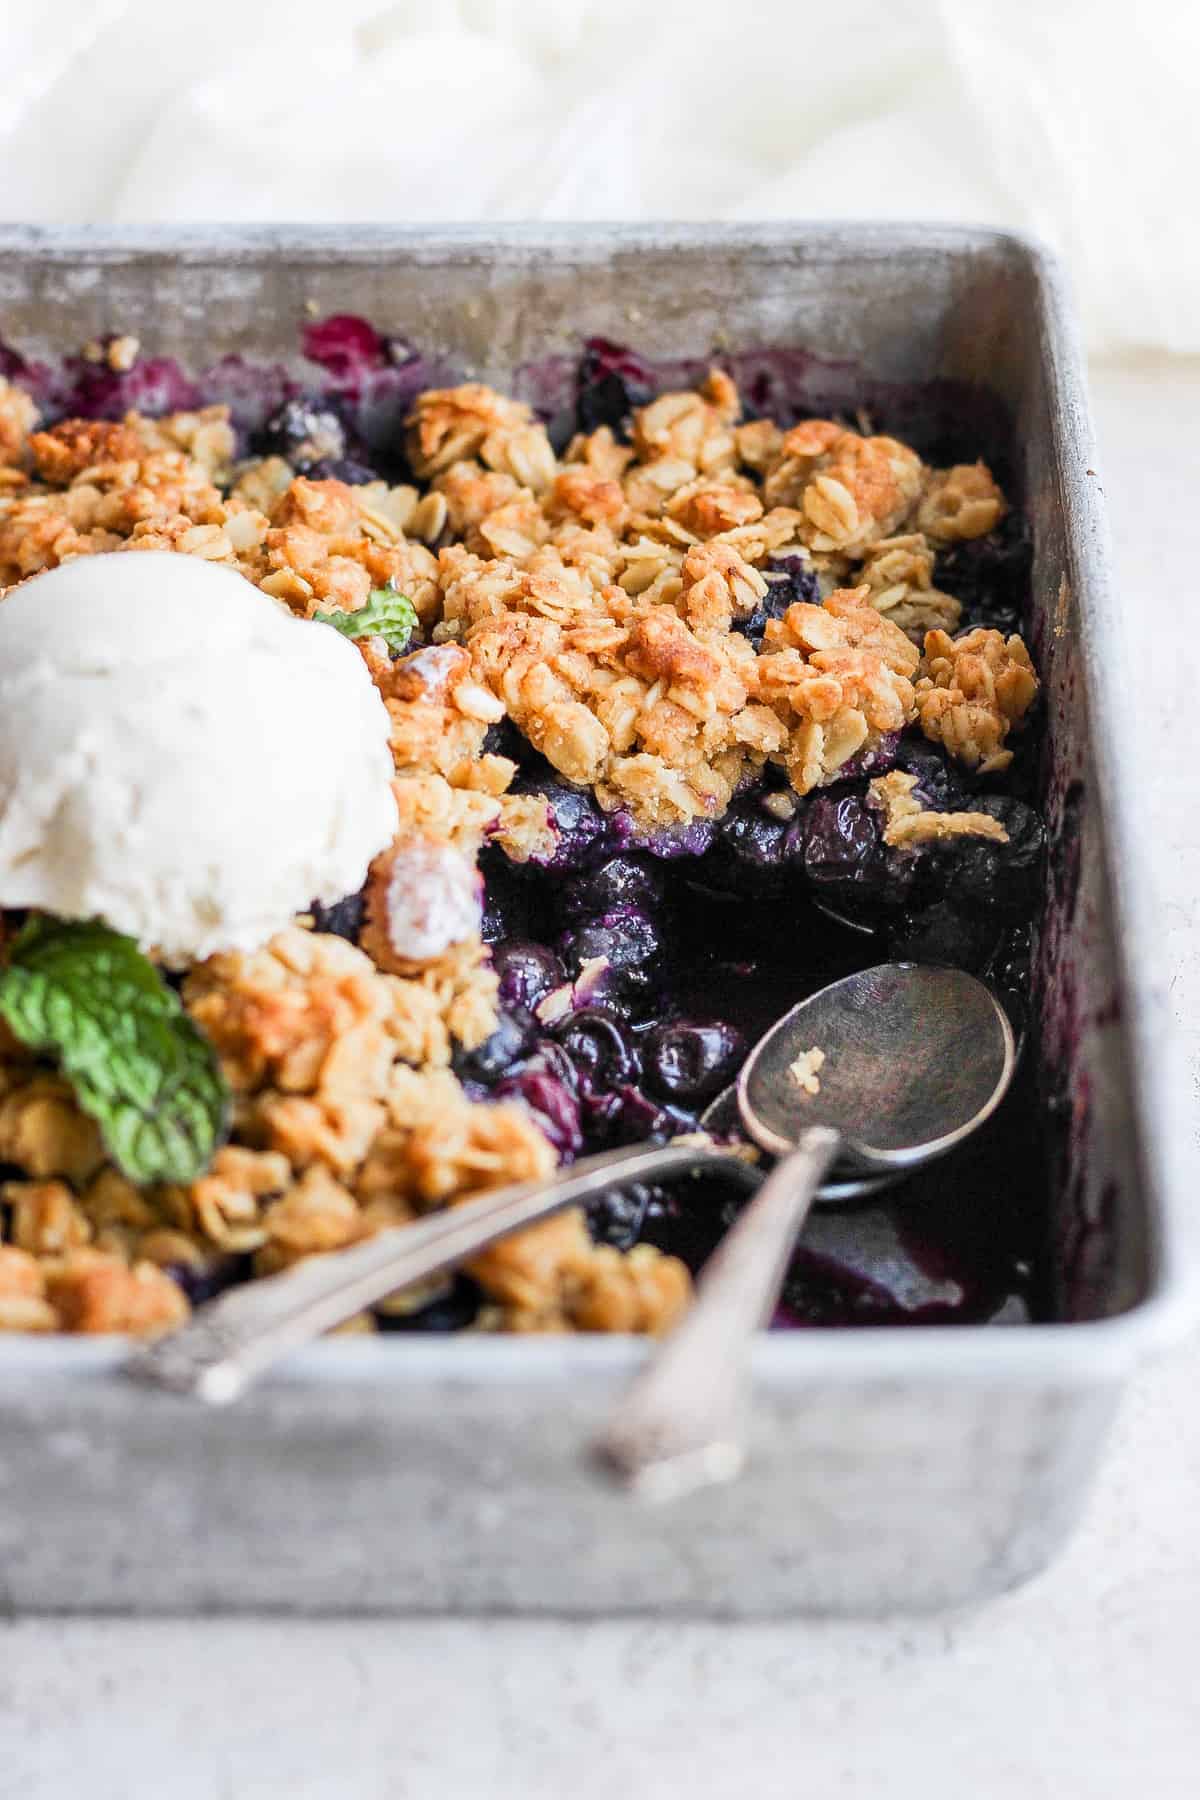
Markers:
(907, 821)
(596, 602)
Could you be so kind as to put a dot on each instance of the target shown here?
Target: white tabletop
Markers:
(1083, 1686)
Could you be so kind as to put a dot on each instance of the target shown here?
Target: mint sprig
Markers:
(387, 614)
(88, 996)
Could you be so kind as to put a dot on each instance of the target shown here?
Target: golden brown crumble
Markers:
(805, 1071)
(906, 821)
(852, 490)
(972, 692)
(594, 599)
(18, 416)
(42, 1130)
(95, 1292)
(962, 502)
(553, 1278)
(23, 1302)
(452, 425)
(840, 676)
(898, 574)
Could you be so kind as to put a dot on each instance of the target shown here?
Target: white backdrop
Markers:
(1073, 119)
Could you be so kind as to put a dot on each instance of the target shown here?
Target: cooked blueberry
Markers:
(154, 385)
(688, 1062)
(453, 1310)
(846, 859)
(638, 1118)
(205, 1280)
(492, 1059)
(990, 575)
(346, 346)
(304, 432)
(615, 1217)
(1002, 877)
(842, 839)
(503, 739)
(668, 843)
(757, 840)
(527, 972)
(940, 934)
(550, 1058)
(601, 1049)
(344, 918)
(940, 786)
(600, 987)
(874, 759)
(612, 381)
(790, 579)
(341, 468)
(552, 1101)
(795, 577)
(622, 881)
(583, 830)
(626, 938)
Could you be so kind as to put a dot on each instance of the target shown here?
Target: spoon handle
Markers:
(234, 1339)
(679, 1426)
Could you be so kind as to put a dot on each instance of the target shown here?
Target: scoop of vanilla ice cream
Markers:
(179, 756)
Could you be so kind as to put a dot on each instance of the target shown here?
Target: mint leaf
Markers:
(139, 1066)
(387, 614)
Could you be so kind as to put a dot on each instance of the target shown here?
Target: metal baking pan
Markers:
(891, 1468)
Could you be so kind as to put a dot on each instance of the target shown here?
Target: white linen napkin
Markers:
(1075, 120)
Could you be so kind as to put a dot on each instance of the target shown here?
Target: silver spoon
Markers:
(237, 1337)
(916, 1058)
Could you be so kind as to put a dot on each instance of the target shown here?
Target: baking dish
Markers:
(890, 1468)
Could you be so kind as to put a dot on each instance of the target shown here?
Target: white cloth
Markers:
(1073, 119)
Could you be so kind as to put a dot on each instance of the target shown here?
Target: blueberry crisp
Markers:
(692, 706)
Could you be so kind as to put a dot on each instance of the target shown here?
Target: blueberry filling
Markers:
(688, 1063)
(527, 972)
(304, 432)
(791, 579)
(344, 918)
(688, 959)
(628, 944)
(493, 1059)
(452, 1310)
(612, 380)
(635, 965)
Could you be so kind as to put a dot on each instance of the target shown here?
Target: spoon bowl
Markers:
(915, 1058)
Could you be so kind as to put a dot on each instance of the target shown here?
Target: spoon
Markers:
(235, 1338)
(915, 1059)
(722, 1118)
